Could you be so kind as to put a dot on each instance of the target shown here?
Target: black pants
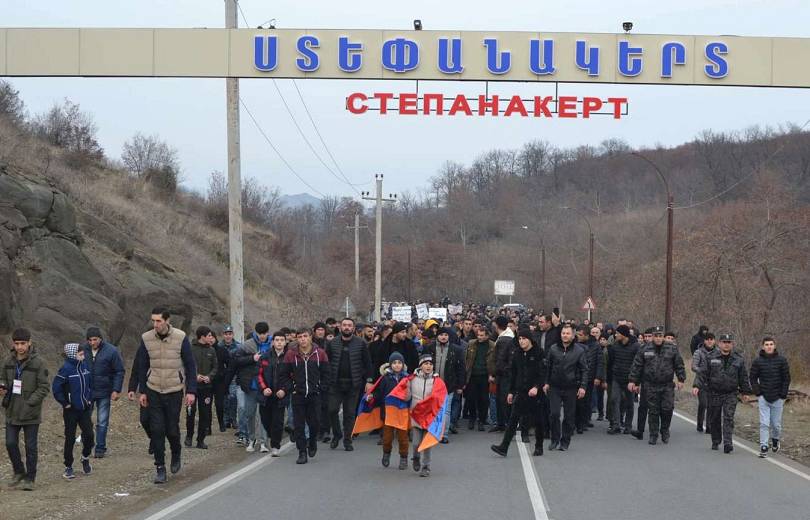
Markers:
(203, 403)
(272, 415)
(347, 399)
(30, 433)
(703, 406)
(164, 423)
(504, 409)
(220, 392)
(528, 412)
(305, 413)
(565, 399)
(584, 408)
(643, 407)
(82, 419)
(323, 417)
(478, 397)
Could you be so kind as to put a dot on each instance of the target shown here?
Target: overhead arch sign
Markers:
(413, 55)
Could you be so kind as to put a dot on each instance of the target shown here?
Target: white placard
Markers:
(422, 311)
(454, 309)
(437, 313)
(402, 314)
(504, 287)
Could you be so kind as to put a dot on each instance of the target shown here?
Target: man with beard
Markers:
(566, 380)
(620, 359)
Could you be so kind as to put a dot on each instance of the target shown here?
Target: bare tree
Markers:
(68, 127)
(142, 153)
(11, 106)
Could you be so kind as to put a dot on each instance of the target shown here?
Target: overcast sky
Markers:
(190, 113)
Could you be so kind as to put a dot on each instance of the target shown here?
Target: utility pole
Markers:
(409, 275)
(357, 227)
(590, 272)
(378, 239)
(670, 224)
(234, 192)
(543, 276)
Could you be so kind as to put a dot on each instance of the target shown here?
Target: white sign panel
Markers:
(422, 311)
(437, 313)
(504, 287)
(454, 308)
(402, 314)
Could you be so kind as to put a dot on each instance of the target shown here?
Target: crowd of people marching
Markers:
(417, 381)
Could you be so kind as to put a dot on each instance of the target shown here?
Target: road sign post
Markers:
(589, 306)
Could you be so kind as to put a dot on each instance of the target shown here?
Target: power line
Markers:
(742, 179)
(309, 144)
(261, 131)
(311, 120)
(238, 5)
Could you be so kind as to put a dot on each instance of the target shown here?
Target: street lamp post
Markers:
(591, 239)
(542, 269)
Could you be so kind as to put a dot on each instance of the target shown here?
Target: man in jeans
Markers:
(23, 386)
(107, 369)
(246, 363)
(620, 359)
(770, 380)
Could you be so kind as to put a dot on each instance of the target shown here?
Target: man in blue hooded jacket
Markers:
(107, 367)
(73, 389)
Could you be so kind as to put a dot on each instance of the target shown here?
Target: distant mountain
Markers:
(300, 200)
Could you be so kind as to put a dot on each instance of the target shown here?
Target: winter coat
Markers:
(245, 367)
(469, 358)
(230, 365)
(654, 365)
(25, 409)
(552, 336)
(696, 343)
(596, 360)
(305, 374)
(270, 377)
(359, 361)
(770, 376)
(453, 370)
(107, 369)
(165, 363)
(700, 358)
(73, 386)
(205, 357)
(620, 359)
(528, 371)
(388, 381)
(223, 360)
(419, 389)
(504, 348)
(724, 374)
(406, 348)
(567, 367)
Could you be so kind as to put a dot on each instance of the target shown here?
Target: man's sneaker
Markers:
(275, 452)
(250, 447)
(263, 448)
(774, 445)
(728, 448)
(68, 474)
(763, 451)
(160, 475)
(425, 471)
(403, 463)
(99, 455)
(16, 479)
(27, 485)
(241, 441)
(86, 465)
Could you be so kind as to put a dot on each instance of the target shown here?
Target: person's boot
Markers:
(715, 445)
(665, 436)
(386, 459)
(348, 445)
(403, 462)
(638, 434)
(176, 464)
(653, 440)
(335, 441)
(312, 449)
(201, 445)
(160, 475)
(302, 457)
(728, 448)
(503, 448)
(538, 449)
(187, 442)
(417, 462)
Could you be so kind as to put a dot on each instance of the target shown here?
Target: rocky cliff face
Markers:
(63, 269)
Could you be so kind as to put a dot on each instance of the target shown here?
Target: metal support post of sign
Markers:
(237, 306)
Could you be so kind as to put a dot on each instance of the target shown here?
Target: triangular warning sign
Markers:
(589, 305)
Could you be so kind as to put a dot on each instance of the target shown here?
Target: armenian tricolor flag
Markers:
(430, 414)
(397, 407)
(369, 416)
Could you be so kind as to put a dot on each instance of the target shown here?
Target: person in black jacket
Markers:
(620, 359)
(528, 378)
(350, 370)
(770, 381)
(698, 339)
(725, 375)
(273, 397)
(221, 382)
(504, 349)
(449, 363)
(653, 367)
(566, 379)
(596, 369)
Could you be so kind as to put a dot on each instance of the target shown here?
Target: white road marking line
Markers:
(782, 465)
(227, 479)
(532, 484)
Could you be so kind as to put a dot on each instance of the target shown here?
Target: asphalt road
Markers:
(600, 477)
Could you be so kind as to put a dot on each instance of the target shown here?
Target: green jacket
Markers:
(25, 409)
(205, 358)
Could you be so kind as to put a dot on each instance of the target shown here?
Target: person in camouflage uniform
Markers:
(653, 367)
(724, 376)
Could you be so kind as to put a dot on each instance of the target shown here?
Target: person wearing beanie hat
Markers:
(392, 373)
(72, 388)
(104, 361)
(319, 334)
(700, 361)
(246, 363)
(620, 358)
(24, 383)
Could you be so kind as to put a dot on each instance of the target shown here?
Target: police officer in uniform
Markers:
(653, 367)
(724, 376)
(643, 397)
